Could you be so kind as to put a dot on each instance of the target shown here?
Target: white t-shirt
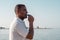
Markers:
(18, 30)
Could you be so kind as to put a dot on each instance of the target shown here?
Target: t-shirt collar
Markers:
(20, 19)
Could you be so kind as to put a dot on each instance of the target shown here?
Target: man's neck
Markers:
(21, 18)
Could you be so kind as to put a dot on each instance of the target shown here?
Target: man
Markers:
(18, 29)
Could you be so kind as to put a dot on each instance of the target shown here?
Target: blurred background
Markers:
(45, 12)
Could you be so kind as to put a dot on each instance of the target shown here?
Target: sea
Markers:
(39, 34)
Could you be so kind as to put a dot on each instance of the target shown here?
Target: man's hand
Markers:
(30, 19)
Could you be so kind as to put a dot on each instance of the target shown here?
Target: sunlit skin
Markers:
(21, 13)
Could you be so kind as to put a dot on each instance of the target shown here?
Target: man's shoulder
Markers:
(17, 22)
(14, 22)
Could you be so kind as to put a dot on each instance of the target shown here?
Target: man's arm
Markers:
(31, 30)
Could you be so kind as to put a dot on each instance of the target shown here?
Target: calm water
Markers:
(40, 34)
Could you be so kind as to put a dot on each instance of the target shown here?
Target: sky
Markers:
(45, 12)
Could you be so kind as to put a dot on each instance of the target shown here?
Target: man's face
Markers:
(23, 12)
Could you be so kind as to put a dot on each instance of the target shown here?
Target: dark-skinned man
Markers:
(18, 29)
